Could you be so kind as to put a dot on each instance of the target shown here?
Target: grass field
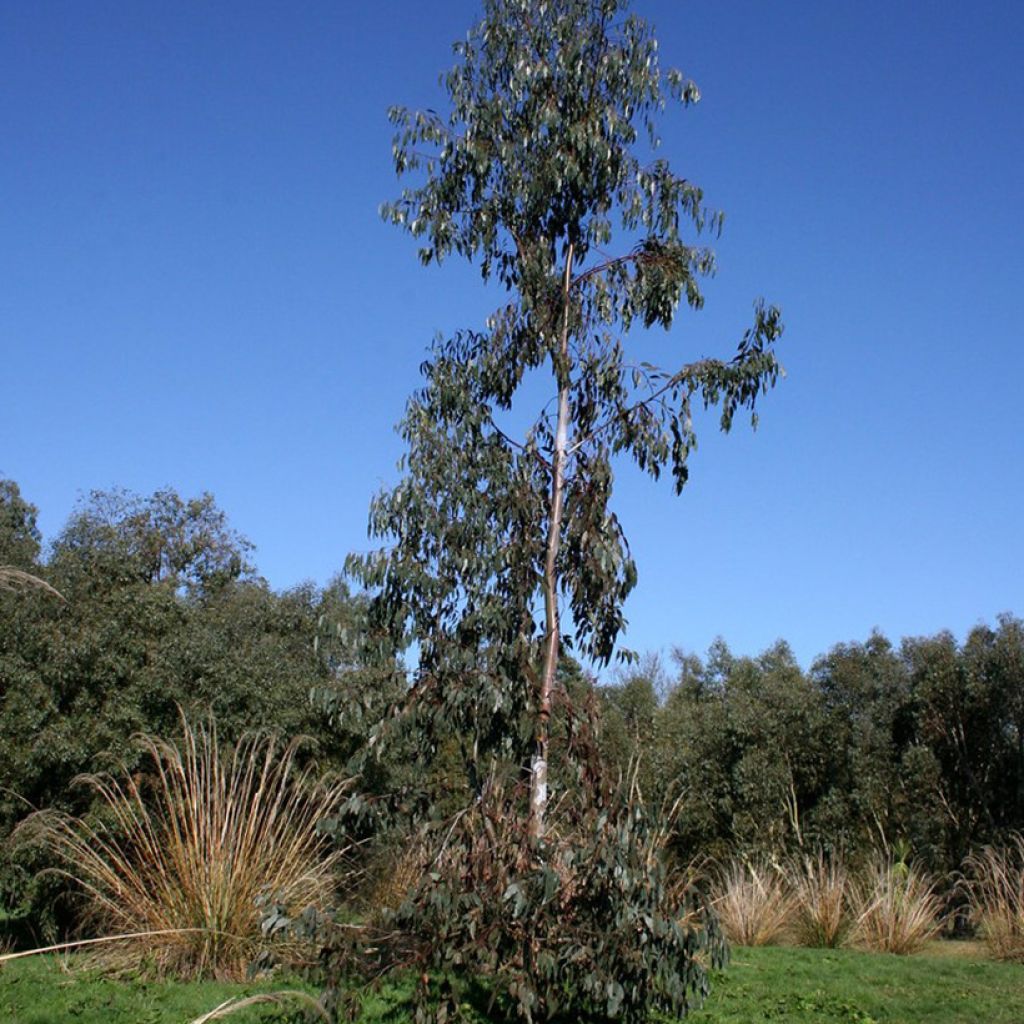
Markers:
(811, 986)
(951, 984)
(41, 991)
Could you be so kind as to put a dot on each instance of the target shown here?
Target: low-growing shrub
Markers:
(582, 926)
(896, 907)
(995, 886)
(179, 859)
(753, 902)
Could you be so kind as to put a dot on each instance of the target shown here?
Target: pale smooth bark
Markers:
(556, 507)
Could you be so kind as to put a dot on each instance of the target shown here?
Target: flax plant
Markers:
(820, 887)
(180, 857)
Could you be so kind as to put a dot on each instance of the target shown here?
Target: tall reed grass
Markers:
(896, 907)
(753, 902)
(178, 858)
(820, 889)
(995, 888)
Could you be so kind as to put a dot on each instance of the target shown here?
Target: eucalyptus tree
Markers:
(503, 548)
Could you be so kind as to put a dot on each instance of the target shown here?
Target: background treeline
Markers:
(918, 746)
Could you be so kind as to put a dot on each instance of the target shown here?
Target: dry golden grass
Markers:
(280, 999)
(402, 873)
(753, 902)
(187, 851)
(995, 888)
(896, 908)
(18, 579)
(820, 888)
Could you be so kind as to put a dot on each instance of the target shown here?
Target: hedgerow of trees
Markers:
(919, 744)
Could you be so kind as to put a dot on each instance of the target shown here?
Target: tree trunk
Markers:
(552, 634)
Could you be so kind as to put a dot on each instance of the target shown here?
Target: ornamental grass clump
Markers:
(995, 890)
(176, 862)
(896, 907)
(820, 891)
(753, 902)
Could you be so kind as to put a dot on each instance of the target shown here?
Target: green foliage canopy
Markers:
(547, 149)
(917, 745)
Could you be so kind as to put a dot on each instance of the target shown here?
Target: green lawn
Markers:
(784, 986)
(805, 986)
(39, 991)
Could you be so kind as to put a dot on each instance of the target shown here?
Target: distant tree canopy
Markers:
(161, 539)
(19, 535)
(921, 744)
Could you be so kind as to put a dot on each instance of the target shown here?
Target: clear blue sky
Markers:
(196, 291)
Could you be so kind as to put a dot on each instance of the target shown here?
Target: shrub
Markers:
(753, 902)
(896, 907)
(995, 888)
(821, 913)
(582, 926)
(180, 858)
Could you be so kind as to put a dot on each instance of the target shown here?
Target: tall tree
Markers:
(506, 551)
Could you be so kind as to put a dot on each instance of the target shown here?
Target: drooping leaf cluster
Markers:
(593, 931)
(596, 929)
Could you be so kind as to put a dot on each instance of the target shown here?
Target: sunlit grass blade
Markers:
(230, 1006)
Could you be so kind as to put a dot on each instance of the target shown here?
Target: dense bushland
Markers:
(161, 608)
(920, 744)
(917, 745)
